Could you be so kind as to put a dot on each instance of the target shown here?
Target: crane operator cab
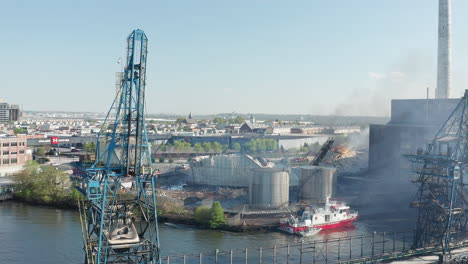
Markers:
(93, 191)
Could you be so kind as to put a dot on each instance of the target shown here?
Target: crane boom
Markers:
(322, 152)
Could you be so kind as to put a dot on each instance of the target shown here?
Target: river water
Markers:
(31, 234)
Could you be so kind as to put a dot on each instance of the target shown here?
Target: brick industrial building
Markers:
(13, 154)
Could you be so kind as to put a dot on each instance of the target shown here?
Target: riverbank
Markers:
(232, 228)
(40, 229)
(59, 204)
(162, 218)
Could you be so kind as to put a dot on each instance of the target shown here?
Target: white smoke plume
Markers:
(407, 79)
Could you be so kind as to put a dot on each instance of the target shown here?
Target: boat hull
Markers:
(300, 231)
(336, 224)
(293, 230)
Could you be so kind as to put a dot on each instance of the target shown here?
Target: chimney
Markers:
(443, 89)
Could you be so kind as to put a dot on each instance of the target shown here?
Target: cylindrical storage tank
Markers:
(269, 188)
(316, 183)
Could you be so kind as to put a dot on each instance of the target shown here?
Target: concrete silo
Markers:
(233, 170)
(316, 182)
(269, 188)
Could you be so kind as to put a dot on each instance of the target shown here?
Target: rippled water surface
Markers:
(32, 234)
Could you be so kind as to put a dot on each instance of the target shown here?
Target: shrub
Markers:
(212, 217)
(202, 215)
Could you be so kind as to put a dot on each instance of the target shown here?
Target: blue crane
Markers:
(119, 213)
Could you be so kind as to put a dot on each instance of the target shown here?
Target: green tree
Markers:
(271, 144)
(180, 120)
(236, 146)
(74, 194)
(187, 146)
(163, 147)
(89, 147)
(197, 147)
(260, 144)
(217, 215)
(171, 161)
(25, 179)
(41, 183)
(219, 120)
(40, 151)
(179, 145)
(250, 147)
(19, 130)
(239, 120)
(161, 160)
(216, 146)
(206, 146)
(50, 184)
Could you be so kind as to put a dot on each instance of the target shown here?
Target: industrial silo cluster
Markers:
(234, 170)
(269, 186)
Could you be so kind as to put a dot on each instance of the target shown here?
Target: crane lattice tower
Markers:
(119, 214)
(442, 171)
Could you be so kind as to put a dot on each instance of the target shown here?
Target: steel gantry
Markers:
(442, 170)
(119, 214)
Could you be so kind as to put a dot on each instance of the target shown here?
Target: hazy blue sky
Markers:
(307, 57)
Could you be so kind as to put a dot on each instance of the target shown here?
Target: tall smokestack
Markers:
(443, 89)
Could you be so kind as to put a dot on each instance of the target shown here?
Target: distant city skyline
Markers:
(206, 57)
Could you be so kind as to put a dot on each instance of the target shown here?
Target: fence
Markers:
(335, 250)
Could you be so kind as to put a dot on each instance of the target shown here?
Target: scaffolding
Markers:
(442, 170)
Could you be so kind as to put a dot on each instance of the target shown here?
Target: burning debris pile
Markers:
(342, 152)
